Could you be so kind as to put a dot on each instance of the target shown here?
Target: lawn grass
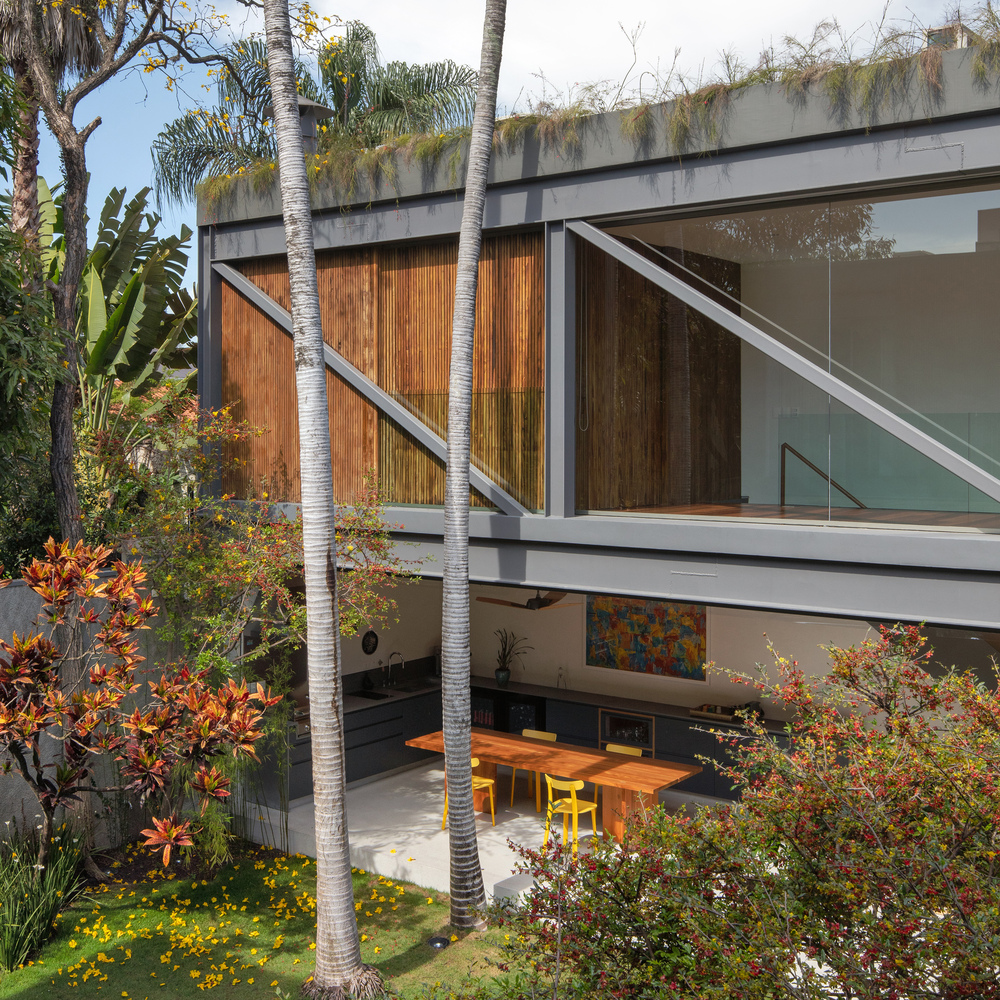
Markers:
(244, 932)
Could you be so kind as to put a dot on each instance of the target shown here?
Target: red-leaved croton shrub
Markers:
(58, 720)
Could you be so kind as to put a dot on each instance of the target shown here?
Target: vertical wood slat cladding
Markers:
(263, 377)
(416, 296)
(658, 391)
(388, 311)
(258, 379)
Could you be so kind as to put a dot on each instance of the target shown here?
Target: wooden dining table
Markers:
(630, 783)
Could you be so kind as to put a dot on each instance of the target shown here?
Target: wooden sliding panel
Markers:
(349, 306)
(622, 371)
(258, 381)
(416, 294)
(715, 396)
(259, 371)
(388, 311)
(416, 299)
(658, 414)
(508, 437)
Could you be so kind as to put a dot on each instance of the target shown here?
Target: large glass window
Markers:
(898, 297)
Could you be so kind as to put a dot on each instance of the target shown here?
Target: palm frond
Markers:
(206, 144)
(346, 67)
(71, 43)
(409, 99)
(373, 104)
(248, 86)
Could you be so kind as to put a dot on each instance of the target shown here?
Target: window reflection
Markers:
(896, 296)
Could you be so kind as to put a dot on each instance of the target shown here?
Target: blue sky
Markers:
(569, 43)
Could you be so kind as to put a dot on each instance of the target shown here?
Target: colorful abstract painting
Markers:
(650, 637)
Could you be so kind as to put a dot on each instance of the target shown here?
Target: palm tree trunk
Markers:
(24, 197)
(467, 893)
(338, 968)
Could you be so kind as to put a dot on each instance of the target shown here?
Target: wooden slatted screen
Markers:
(658, 414)
(388, 311)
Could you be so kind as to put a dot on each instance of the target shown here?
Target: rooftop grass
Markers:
(248, 930)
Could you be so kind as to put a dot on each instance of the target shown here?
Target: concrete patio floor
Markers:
(395, 826)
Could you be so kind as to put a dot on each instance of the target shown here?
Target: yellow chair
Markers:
(534, 734)
(618, 748)
(478, 784)
(571, 806)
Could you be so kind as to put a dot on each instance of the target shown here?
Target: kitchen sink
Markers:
(412, 687)
(372, 695)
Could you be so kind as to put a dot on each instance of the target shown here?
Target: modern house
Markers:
(737, 372)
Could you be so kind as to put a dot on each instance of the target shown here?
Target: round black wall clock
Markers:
(369, 642)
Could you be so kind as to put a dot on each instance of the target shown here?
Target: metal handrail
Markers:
(826, 475)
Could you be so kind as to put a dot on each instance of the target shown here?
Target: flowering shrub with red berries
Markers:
(863, 859)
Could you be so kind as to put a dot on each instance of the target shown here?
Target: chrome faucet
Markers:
(388, 668)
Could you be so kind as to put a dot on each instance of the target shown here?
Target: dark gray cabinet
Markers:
(374, 742)
(294, 778)
(573, 723)
(375, 738)
(683, 740)
(677, 739)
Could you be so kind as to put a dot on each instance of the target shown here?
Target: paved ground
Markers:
(395, 826)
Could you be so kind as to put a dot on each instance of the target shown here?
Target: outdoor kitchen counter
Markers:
(356, 702)
(607, 702)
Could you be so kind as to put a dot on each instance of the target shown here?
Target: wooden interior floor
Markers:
(870, 515)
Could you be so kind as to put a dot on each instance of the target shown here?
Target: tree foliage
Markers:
(136, 322)
(30, 363)
(54, 733)
(152, 33)
(228, 138)
(371, 102)
(374, 102)
(226, 564)
(861, 862)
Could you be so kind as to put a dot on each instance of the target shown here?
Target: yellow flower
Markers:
(72, 944)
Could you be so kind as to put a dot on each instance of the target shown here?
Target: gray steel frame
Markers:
(946, 576)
